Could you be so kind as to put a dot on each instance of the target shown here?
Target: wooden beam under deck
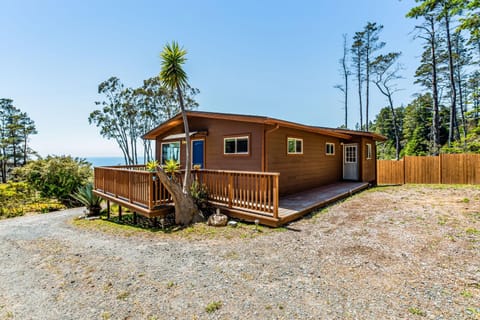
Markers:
(149, 213)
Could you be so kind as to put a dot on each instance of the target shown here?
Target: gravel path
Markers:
(390, 253)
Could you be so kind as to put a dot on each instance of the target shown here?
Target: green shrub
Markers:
(56, 177)
(18, 198)
(85, 196)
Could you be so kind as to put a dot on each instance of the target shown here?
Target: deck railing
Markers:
(256, 191)
(132, 184)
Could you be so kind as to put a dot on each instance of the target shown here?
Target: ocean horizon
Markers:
(109, 161)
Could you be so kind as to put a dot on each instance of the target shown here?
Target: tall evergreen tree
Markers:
(358, 52)
(371, 45)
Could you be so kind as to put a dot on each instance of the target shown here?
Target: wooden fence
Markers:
(442, 169)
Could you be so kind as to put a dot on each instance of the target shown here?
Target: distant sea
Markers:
(109, 161)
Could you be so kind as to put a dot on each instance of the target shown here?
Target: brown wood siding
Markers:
(368, 173)
(311, 169)
(217, 130)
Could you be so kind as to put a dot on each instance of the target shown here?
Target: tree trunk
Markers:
(186, 211)
(359, 79)
(453, 133)
(367, 84)
(187, 181)
(345, 76)
(436, 117)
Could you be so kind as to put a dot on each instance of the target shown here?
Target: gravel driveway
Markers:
(388, 253)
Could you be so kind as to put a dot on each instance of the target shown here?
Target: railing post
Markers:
(150, 193)
(230, 190)
(130, 186)
(275, 196)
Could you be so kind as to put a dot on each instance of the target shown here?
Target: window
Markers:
(294, 146)
(350, 154)
(170, 150)
(236, 145)
(330, 149)
(369, 151)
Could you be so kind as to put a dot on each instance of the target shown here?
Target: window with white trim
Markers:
(294, 146)
(171, 150)
(330, 149)
(236, 145)
(369, 151)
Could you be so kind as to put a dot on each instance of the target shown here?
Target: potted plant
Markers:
(171, 168)
(91, 201)
(152, 165)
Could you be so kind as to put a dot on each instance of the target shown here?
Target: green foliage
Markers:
(199, 193)
(56, 177)
(125, 114)
(15, 129)
(85, 196)
(18, 198)
(172, 74)
(171, 167)
(152, 165)
(213, 306)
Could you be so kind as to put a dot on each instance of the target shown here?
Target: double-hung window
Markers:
(330, 149)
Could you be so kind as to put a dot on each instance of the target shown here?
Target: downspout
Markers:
(265, 144)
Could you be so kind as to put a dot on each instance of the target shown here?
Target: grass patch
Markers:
(195, 231)
(416, 311)
(123, 295)
(213, 306)
(472, 231)
(466, 294)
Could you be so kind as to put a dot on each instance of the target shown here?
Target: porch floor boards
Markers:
(294, 206)
(291, 207)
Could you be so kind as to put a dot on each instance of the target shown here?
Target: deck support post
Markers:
(134, 218)
(155, 222)
(108, 209)
(119, 213)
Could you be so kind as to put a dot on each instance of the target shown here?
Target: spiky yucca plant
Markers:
(85, 196)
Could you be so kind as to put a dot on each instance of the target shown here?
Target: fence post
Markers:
(440, 163)
(404, 170)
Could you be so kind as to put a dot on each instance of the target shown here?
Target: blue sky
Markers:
(273, 58)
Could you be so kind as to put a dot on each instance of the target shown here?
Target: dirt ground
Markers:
(387, 253)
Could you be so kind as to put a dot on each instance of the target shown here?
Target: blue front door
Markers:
(197, 150)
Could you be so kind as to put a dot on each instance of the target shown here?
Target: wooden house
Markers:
(250, 163)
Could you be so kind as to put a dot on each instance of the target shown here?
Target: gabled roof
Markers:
(338, 133)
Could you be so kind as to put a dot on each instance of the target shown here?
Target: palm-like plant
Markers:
(85, 196)
(174, 77)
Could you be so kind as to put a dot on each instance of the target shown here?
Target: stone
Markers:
(217, 220)
(232, 224)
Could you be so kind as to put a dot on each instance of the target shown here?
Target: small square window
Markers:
(330, 149)
(294, 146)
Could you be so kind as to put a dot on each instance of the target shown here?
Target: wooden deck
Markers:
(295, 206)
(248, 196)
